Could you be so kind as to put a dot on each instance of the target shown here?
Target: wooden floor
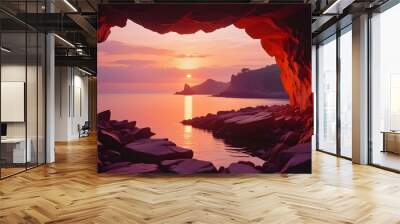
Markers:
(70, 191)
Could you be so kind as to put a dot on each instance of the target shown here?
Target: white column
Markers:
(360, 90)
(50, 99)
(50, 92)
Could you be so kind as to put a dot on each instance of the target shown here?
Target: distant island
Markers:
(258, 83)
(209, 87)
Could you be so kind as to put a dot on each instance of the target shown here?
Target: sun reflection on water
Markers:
(187, 114)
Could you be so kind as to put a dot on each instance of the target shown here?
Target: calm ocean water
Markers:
(163, 113)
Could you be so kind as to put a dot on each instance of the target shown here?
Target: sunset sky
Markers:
(135, 59)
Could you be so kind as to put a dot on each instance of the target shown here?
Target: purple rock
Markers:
(110, 156)
(155, 151)
(242, 167)
(135, 169)
(296, 159)
(299, 163)
(131, 135)
(113, 166)
(188, 166)
(108, 139)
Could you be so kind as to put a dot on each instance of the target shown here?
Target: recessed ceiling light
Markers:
(64, 40)
(70, 5)
(5, 50)
(84, 71)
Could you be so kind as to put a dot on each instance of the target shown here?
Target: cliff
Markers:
(209, 87)
(259, 83)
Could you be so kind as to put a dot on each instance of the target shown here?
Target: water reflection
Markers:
(163, 113)
(187, 114)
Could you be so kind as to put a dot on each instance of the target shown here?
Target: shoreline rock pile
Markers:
(124, 148)
(279, 134)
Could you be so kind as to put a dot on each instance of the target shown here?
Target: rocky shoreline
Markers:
(278, 134)
(124, 148)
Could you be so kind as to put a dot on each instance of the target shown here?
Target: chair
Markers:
(84, 130)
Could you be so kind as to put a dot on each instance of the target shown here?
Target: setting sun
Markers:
(189, 76)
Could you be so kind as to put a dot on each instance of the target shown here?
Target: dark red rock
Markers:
(155, 151)
(291, 138)
(136, 168)
(188, 166)
(242, 168)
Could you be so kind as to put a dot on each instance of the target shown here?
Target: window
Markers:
(385, 89)
(22, 93)
(345, 92)
(327, 95)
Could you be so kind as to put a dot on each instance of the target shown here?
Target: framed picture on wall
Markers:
(204, 88)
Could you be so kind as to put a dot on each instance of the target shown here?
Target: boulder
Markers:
(291, 138)
(130, 135)
(108, 139)
(188, 166)
(136, 168)
(155, 151)
(110, 156)
(299, 163)
(242, 167)
(296, 159)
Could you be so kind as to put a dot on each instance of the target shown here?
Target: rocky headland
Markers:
(248, 83)
(208, 87)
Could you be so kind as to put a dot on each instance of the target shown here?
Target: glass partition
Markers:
(327, 95)
(22, 93)
(385, 89)
(345, 92)
(13, 95)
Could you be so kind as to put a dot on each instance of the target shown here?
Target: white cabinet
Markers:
(15, 150)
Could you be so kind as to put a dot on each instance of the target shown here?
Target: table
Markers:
(391, 141)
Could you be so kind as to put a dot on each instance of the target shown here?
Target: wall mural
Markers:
(204, 88)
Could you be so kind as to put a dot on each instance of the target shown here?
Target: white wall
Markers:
(71, 102)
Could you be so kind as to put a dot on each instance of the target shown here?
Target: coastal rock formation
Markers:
(268, 125)
(124, 148)
(256, 83)
(283, 30)
(280, 135)
(209, 87)
(278, 129)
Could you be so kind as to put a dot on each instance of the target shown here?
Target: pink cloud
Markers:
(118, 47)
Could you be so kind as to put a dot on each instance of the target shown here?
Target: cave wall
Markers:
(284, 32)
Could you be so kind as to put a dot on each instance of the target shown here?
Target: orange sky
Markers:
(134, 59)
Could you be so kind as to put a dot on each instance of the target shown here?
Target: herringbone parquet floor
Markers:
(70, 191)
